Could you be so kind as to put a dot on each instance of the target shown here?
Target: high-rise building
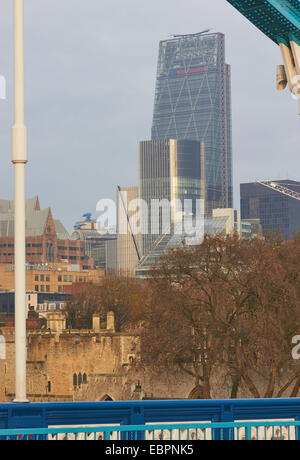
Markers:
(128, 242)
(169, 170)
(102, 248)
(276, 204)
(193, 102)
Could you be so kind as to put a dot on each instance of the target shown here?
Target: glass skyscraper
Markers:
(193, 102)
(169, 170)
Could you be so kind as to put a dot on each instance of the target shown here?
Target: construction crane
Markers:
(192, 35)
(280, 188)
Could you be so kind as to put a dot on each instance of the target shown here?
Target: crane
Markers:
(280, 188)
(192, 35)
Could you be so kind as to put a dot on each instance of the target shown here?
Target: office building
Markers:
(36, 301)
(47, 240)
(129, 240)
(50, 278)
(193, 102)
(101, 248)
(275, 203)
(169, 171)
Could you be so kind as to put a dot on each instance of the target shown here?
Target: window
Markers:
(59, 279)
(36, 288)
(42, 278)
(42, 288)
(65, 278)
(71, 278)
(36, 278)
(47, 288)
(48, 278)
(60, 289)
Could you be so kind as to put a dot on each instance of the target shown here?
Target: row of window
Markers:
(27, 245)
(42, 278)
(42, 288)
(79, 379)
(71, 248)
(27, 254)
(70, 279)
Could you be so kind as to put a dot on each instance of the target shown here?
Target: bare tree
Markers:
(227, 302)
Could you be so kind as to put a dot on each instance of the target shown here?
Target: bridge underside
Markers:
(278, 19)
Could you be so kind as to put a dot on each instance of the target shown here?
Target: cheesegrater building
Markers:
(193, 102)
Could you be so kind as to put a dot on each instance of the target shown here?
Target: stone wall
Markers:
(59, 361)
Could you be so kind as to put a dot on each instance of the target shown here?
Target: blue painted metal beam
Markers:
(277, 19)
(42, 415)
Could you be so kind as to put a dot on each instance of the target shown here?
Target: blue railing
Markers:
(281, 431)
(132, 419)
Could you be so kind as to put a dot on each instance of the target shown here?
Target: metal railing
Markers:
(153, 420)
(281, 431)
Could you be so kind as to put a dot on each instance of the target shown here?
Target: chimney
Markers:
(96, 323)
(111, 321)
(56, 322)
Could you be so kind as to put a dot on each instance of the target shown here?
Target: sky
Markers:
(90, 70)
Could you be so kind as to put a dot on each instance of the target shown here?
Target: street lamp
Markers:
(19, 159)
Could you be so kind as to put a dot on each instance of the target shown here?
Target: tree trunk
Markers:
(272, 381)
(296, 389)
(251, 387)
(236, 381)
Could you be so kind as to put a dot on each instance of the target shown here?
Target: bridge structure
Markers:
(280, 21)
(250, 419)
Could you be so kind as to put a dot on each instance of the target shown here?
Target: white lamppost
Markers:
(19, 159)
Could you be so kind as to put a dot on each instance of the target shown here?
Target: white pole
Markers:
(19, 159)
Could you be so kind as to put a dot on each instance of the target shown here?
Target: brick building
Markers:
(50, 278)
(47, 240)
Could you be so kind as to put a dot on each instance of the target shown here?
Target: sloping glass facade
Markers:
(193, 102)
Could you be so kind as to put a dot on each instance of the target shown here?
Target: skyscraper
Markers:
(193, 102)
(127, 254)
(169, 171)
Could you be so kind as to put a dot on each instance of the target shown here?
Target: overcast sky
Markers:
(90, 78)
